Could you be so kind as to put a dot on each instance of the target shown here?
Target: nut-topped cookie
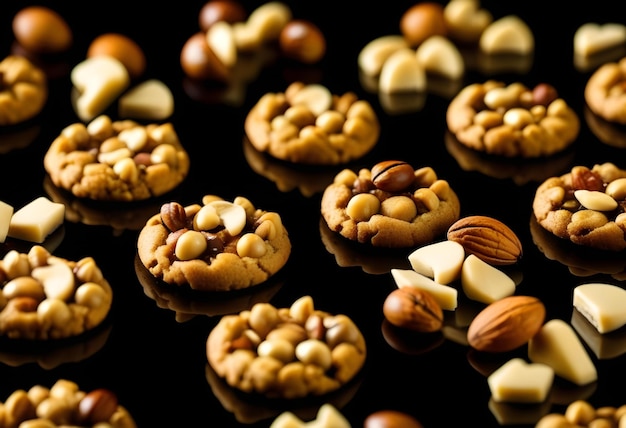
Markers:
(390, 205)
(288, 353)
(214, 246)
(585, 206)
(307, 124)
(123, 161)
(512, 120)
(605, 94)
(23, 90)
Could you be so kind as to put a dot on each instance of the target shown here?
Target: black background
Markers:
(152, 351)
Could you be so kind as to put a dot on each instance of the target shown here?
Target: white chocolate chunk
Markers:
(595, 200)
(6, 211)
(517, 381)
(36, 220)
(57, 280)
(557, 345)
(221, 40)
(315, 97)
(484, 283)
(591, 38)
(445, 295)
(441, 261)
(375, 53)
(99, 81)
(603, 305)
(438, 55)
(507, 35)
(150, 100)
(327, 416)
(402, 72)
(465, 20)
(232, 216)
(604, 346)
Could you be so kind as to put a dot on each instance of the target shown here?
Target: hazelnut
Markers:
(391, 419)
(200, 62)
(39, 29)
(213, 11)
(97, 406)
(122, 48)
(421, 21)
(303, 41)
(544, 94)
(392, 176)
(414, 309)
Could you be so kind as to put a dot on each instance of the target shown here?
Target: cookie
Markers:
(286, 353)
(307, 124)
(605, 94)
(23, 90)
(512, 120)
(585, 206)
(214, 246)
(392, 205)
(45, 297)
(117, 160)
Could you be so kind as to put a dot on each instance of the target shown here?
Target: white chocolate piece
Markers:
(327, 416)
(441, 261)
(507, 35)
(465, 20)
(517, 381)
(484, 283)
(150, 100)
(315, 97)
(221, 40)
(375, 53)
(445, 295)
(402, 72)
(99, 81)
(557, 345)
(57, 280)
(595, 200)
(36, 220)
(232, 216)
(591, 38)
(6, 211)
(438, 55)
(603, 305)
(604, 346)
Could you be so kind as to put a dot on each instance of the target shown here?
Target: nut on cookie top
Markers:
(512, 120)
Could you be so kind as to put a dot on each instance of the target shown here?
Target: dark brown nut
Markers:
(199, 62)
(391, 419)
(414, 309)
(39, 29)
(584, 178)
(544, 94)
(302, 41)
(506, 324)
(393, 175)
(421, 21)
(213, 11)
(97, 406)
(173, 216)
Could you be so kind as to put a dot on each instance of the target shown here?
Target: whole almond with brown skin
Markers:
(487, 238)
(414, 309)
(506, 324)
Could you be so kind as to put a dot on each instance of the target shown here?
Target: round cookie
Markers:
(512, 120)
(605, 94)
(392, 205)
(585, 206)
(286, 353)
(23, 90)
(308, 125)
(214, 246)
(45, 297)
(117, 160)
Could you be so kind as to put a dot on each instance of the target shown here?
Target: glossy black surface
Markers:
(152, 351)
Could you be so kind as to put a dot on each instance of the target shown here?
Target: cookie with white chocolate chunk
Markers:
(214, 246)
(307, 124)
(391, 205)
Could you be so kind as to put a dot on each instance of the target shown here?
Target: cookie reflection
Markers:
(187, 303)
(18, 137)
(611, 134)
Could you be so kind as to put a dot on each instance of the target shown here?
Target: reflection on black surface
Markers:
(18, 137)
(604, 346)
(410, 342)
(518, 413)
(611, 134)
(590, 63)
(51, 243)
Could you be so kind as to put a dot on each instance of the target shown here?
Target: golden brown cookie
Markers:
(109, 160)
(392, 205)
(605, 94)
(214, 246)
(45, 297)
(288, 353)
(585, 206)
(512, 120)
(23, 90)
(307, 124)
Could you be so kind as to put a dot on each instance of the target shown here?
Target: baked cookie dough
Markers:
(45, 297)
(512, 120)
(122, 161)
(605, 92)
(23, 90)
(307, 124)
(286, 353)
(392, 205)
(585, 206)
(214, 246)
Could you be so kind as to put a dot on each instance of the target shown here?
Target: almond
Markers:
(488, 239)
(506, 324)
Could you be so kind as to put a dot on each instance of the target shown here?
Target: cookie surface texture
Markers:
(604, 92)
(585, 206)
(214, 246)
(122, 161)
(23, 90)
(392, 205)
(286, 353)
(512, 121)
(307, 124)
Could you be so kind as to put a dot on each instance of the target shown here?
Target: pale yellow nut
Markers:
(126, 169)
(251, 245)
(164, 153)
(617, 189)
(53, 313)
(595, 200)
(110, 158)
(345, 177)
(301, 309)
(232, 216)
(57, 280)
(518, 118)
(190, 245)
(507, 35)
(221, 39)
(402, 72)
(438, 55)
(312, 351)
(24, 286)
(399, 207)
(375, 53)
(363, 206)
(206, 218)
(134, 138)
(315, 97)
(281, 349)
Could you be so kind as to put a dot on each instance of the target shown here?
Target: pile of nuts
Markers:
(581, 413)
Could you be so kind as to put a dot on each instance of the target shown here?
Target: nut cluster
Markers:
(47, 297)
(286, 352)
(24, 90)
(581, 413)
